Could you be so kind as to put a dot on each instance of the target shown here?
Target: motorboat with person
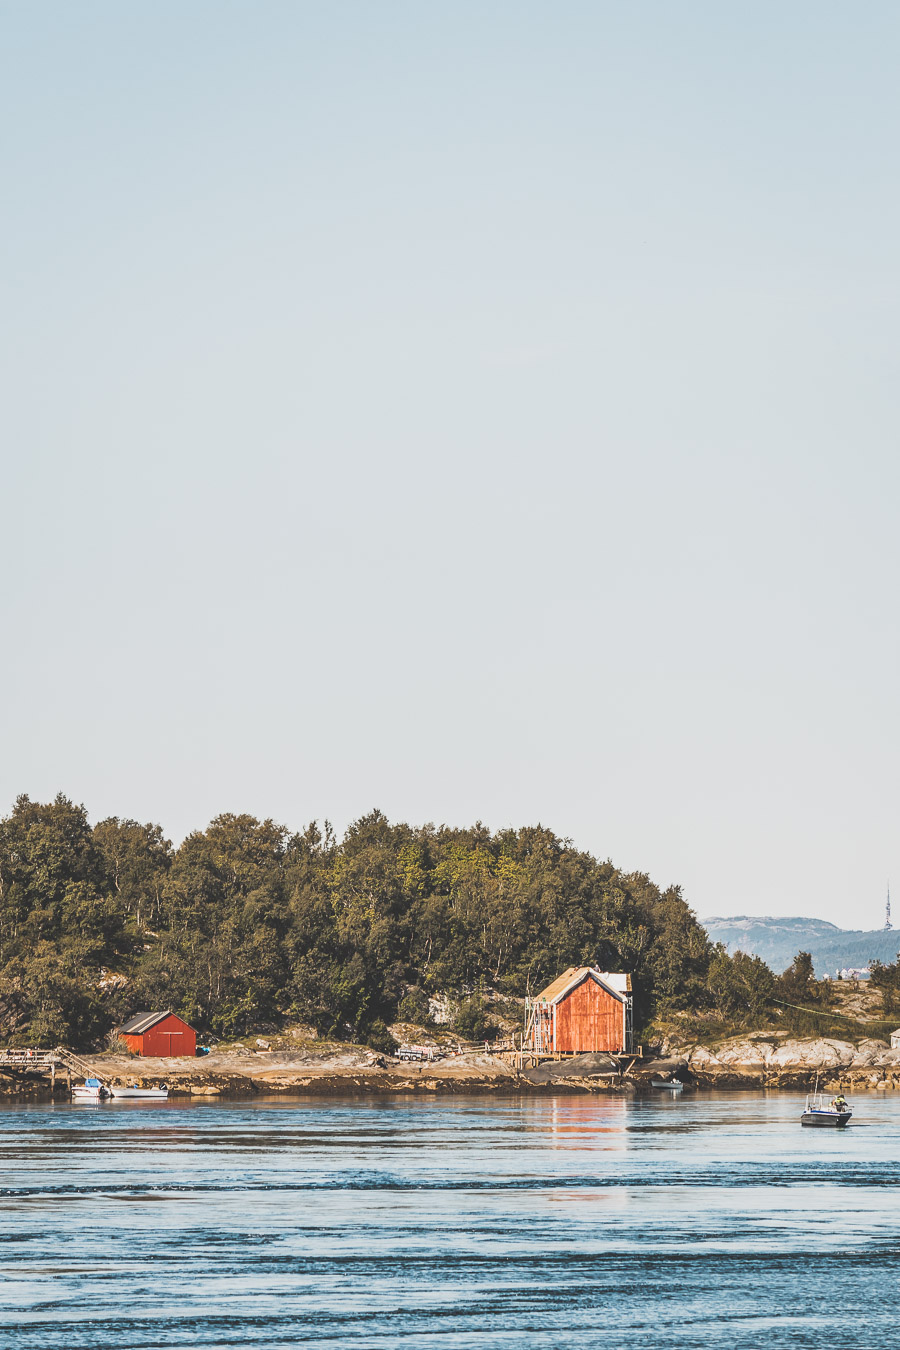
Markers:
(819, 1110)
(672, 1084)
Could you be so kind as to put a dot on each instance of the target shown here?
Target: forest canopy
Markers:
(247, 925)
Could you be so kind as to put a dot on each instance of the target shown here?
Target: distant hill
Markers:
(778, 940)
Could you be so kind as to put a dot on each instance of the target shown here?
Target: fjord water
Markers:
(709, 1220)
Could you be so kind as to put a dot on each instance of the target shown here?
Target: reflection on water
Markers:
(520, 1222)
(586, 1122)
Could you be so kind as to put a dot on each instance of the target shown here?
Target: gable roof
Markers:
(619, 985)
(143, 1022)
(561, 982)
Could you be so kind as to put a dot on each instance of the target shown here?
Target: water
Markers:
(504, 1224)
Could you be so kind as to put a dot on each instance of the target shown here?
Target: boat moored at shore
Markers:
(91, 1090)
(94, 1090)
(157, 1094)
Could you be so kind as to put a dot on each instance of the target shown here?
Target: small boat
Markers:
(157, 1094)
(820, 1111)
(91, 1090)
(671, 1084)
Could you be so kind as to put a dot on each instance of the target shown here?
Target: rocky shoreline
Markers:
(777, 1060)
(759, 1060)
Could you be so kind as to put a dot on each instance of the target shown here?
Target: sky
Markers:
(481, 411)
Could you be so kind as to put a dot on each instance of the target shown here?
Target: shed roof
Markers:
(142, 1022)
(616, 984)
(561, 982)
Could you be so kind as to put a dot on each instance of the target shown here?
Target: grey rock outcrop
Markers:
(775, 1057)
(579, 1066)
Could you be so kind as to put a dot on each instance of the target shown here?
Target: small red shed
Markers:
(159, 1033)
(582, 1010)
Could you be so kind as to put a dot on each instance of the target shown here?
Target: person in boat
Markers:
(839, 1103)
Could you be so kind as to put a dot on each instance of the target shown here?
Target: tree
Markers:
(246, 924)
(58, 924)
(220, 951)
(138, 860)
(798, 983)
(886, 978)
(739, 986)
(474, 1022)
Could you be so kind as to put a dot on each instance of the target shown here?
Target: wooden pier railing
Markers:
(46, 1062)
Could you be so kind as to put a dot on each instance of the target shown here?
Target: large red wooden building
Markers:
(582, 1010)
(159, 1033)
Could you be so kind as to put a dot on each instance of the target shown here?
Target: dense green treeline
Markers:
(247, 924)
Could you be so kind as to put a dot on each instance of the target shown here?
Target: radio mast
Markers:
(887, 911)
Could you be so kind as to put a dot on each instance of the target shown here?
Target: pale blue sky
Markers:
(480, 411)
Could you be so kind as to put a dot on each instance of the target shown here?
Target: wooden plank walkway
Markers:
(535, 1057)
(45, 1062)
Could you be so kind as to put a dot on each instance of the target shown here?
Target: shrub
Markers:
(414, 1007)
(379, 1038)
(473, 1022)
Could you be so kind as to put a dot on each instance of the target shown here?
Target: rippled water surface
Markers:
(513, 1223)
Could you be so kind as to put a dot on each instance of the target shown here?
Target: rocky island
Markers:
(771, 1060)
(305, 962)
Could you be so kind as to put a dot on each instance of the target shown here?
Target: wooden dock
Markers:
(45, 1063)
(528, 1058)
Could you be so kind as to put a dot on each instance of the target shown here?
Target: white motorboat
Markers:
(671, 1084)
(820, 1111)
(155, 1094)
(91, 1090)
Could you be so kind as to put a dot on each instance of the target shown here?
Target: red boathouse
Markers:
(159, 1033)
(582, 1010)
